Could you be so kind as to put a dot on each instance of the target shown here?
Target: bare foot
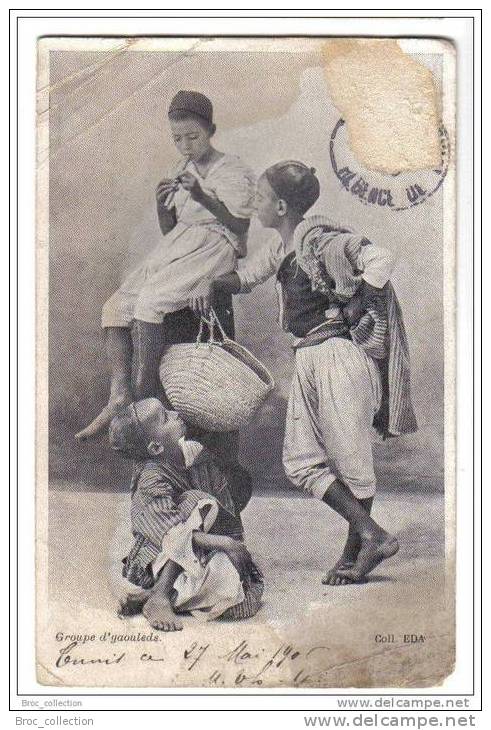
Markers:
(100, 424)
(159, 614)
(133, 604)
(372, 552)
(350, 553)
(339, 575)
(332, 578)
(345, 562)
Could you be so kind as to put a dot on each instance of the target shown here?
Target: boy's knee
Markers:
(108, 312)
(361, 489)
(191, 498)
(358, 474)
(313, 479)
(115, 313)
(148, 310)
(297, 475)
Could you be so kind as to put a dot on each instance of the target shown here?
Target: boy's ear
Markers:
(154, 448)
(282, 207)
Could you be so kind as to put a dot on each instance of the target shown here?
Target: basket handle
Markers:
(215, 321)
(211, 322)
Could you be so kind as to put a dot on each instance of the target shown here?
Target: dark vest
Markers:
(303, 308)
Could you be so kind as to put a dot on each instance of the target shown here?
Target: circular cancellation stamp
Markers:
(397, 191)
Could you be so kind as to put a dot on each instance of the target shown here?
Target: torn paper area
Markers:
(389, 102)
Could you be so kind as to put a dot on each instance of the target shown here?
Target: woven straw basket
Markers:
(216, 385)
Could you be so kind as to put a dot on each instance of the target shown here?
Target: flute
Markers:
(169, 198)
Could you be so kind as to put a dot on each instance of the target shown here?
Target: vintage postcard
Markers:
(246, 367)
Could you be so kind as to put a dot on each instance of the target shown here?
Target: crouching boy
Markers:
(188, 553)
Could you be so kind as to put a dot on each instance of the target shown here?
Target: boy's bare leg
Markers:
(119, 353)
(148, 344)
(376, 543)
(157, 609)
(349, 554)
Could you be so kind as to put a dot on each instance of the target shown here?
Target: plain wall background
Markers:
(109, 146)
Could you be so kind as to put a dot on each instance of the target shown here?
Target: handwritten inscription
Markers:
(254, 665)
(67, 656)
(242, 665)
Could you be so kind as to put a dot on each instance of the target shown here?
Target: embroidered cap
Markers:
(192, 102)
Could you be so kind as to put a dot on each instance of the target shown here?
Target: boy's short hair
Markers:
(295, 183)
(126, 438)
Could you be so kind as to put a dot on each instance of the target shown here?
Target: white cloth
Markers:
(198, 247)
(191, 450)
(334, 396)
(263, 264)
(205, 588)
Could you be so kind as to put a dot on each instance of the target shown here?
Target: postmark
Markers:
(396, 192)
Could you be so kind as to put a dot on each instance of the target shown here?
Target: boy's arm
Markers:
(203, 299)
(253, 272)
(238, 226)
(237, 552)
(167, 219)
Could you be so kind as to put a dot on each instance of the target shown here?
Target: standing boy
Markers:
(351, 356)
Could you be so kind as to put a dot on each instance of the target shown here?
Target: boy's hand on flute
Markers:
(165, 186)
(190, 182)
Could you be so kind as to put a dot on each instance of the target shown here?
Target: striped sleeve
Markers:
(253, 591)
(154, 506)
